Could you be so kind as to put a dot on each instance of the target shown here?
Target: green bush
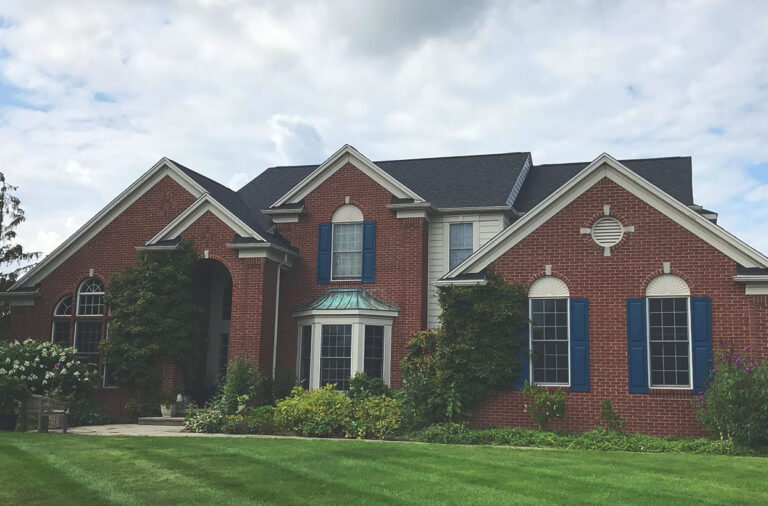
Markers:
(208, 420)
(544, 406)
(243, 382)
(735, 406)
(609, 419)
(362, 386)
(233, 424)
(12, 391)
(598, 439)
(261, 420)
(377, 417)
(323, 412)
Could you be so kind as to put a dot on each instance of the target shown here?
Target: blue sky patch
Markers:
(716, 130)
(12, 96)
(759, 171)
(102, 97)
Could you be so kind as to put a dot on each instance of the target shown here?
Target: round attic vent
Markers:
(607, 231)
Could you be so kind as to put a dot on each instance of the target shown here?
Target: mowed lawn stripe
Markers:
(45, 469)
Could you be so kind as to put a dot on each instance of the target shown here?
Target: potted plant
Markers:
(12, 391)
(168, 407)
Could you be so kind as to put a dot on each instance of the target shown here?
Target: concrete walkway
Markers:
(134, 429)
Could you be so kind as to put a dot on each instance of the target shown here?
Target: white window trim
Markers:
(648, 343)
(60, 320)
(74, 337)
(357, 357)
(530, 340)
(56, 308)
(102, 293)
(447, 221)
(362, 231)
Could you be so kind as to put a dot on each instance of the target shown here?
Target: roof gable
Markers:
(347, 154)
(605, 166)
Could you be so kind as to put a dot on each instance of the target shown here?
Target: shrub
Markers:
(323, 412)
(83, 411)
(374, 417)
(46, 368)
(208, 420)
(545, 406)
(12, 391)
(362, 386)
(449, 372)
(261, 420)
(233, 424)
(609, 419)
(598, 439)
(735, 406)
(243, 382)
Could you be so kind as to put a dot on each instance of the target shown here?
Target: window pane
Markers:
(90, 298)
(64, 307)
(60, 333)
(335, 355)
(461, 240)
(347, 250)
(374, 351)
(549, 340)
(87, 336)
(669, 341)
(306, 354)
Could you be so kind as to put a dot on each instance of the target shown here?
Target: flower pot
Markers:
(168, 411)
(8, 422)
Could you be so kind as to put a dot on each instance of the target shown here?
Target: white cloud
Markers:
(231, 87)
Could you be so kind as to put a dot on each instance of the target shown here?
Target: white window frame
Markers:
(74, 337)
(61, 320)
(648, 342)
(447, 221)
(473, 246)
(357, 357)
(80, 292)
(56, 308)
(333, 252)
(530, 339)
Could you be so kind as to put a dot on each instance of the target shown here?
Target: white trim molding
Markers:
(605, 166)
(20, 299)
(346, 154)
(149, 179)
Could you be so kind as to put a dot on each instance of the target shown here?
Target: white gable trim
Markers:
(347, 154)
(149, 179)
(605, 166)
(199, 207)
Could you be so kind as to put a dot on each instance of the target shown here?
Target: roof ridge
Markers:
(455, 156)
(620, 160)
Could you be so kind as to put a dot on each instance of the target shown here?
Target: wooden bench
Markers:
(43, 407)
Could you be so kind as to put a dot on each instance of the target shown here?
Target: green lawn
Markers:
(53, 468)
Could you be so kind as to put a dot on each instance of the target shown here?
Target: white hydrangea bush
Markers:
(47, 368)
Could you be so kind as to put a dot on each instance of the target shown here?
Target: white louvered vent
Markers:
(607, 231)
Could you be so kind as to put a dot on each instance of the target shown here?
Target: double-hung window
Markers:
(336, 355)
(549, 341)
(460, 243)
(373, 362)
(62, 321)
(347, 251)
(669, 341)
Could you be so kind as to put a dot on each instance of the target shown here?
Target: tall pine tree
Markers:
(14, 261)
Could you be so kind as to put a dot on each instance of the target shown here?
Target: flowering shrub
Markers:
(47, 369)
(323, 412)
(735, 406)
(545, 406)
(204, 420)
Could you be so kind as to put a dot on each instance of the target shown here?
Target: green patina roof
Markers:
(337, 299)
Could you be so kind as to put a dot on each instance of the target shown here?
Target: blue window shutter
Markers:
(323, 253)
(637, 346)
(579, 345)
(525, 355)
(701, 336)
(369, 252)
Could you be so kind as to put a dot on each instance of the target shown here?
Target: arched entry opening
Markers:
(212, 290)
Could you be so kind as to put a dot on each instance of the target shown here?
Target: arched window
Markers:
(62, 319)
(669, 331)
(347, 243)
(549, 331)
(90, 298)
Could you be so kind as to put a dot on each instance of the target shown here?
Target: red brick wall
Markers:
(607, 282)
(401, 252)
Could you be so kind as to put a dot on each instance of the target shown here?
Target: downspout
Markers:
(277, 312)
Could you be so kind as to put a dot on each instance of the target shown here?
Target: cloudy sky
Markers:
(93, 93)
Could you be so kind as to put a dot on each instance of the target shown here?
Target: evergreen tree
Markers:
(14, 261)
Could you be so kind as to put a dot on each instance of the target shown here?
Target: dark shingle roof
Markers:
(673, 175)
(232, 201)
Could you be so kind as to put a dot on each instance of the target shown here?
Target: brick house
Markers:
(326, 270)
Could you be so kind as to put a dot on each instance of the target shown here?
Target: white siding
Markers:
(485, 226)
